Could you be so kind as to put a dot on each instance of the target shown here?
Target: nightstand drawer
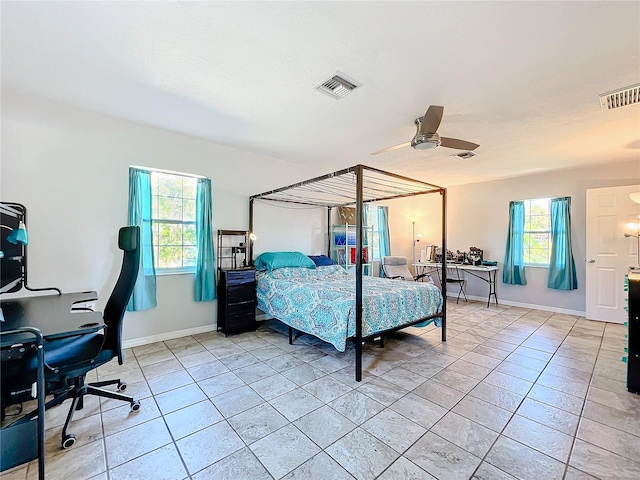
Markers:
(241, 308)
(240, 323)
(241, 293)
(240, 277)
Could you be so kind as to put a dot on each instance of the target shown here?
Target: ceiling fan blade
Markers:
(389, 149)
(457, 144)
(432, 119)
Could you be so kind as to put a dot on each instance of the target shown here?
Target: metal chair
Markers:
(395, 267)
(455, 276)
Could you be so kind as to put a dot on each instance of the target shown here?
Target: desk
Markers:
(482, 272)
(51, 314)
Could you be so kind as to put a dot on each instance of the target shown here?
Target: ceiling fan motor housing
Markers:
(425, 141)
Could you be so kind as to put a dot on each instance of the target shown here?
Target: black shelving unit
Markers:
(233, 248)
(236, 283)
(237, 300)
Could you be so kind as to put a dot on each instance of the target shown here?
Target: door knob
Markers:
(591, 260)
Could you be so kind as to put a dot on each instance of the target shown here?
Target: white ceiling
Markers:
(522, 79)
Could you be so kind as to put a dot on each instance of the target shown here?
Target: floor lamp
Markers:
(416, 239)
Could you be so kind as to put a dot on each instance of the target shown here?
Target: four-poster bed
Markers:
(357, 186)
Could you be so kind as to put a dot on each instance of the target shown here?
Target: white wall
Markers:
(478, 215)
(285, 227)
(70, 168)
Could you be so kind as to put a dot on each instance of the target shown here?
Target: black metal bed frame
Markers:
(357, 185)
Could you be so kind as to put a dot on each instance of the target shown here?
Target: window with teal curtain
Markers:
(562, 268)
(144, 291)
(513, 272)
(383, 232)
(205, 281)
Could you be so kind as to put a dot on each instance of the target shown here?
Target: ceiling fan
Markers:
(426, 136)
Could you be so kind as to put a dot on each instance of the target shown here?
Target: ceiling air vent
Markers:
(620, 98)
(465, 155)
(337, 86)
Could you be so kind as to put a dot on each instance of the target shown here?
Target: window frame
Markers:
(157, 220)
(548, 232)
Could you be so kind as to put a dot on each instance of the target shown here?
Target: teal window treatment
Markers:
(144, 291)
(513, 272)
(205, 279)
(562, 268)
(383, 234)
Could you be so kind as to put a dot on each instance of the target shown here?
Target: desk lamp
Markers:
(18, 235)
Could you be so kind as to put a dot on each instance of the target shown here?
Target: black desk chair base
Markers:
(77, 393)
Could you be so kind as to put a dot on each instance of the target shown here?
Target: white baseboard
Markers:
(136, 342)
(546, 308)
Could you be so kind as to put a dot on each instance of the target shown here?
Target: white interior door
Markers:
(609, 252)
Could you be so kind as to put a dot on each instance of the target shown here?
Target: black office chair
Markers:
(69, 360)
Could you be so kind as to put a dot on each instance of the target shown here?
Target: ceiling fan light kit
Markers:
(425, 141)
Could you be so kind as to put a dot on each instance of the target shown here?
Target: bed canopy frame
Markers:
(357, 186)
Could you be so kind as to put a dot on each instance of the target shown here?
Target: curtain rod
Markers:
(171, 172)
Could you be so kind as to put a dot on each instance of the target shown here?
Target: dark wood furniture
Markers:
(633, 334)
(237, 300)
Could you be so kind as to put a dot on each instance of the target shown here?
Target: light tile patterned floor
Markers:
(514, 393)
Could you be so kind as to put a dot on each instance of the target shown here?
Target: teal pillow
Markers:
(275, 260)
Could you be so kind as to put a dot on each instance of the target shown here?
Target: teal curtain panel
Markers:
(513, 272)
(383, 234)
(144, 291)
(205, 280)
(562, 268)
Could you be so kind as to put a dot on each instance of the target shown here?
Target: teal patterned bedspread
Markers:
(321, 302)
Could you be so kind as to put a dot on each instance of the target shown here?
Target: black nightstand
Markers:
(237, 300)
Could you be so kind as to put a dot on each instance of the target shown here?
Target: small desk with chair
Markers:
(486, 273)
(76, 342)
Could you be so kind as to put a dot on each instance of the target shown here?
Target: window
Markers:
(173, 213)
(372, 220)
(537, 232)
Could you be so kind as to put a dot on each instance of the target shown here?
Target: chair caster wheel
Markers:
(68, 441)
(135, 406)
(122, 386)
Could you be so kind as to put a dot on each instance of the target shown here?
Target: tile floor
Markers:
(514, 393)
